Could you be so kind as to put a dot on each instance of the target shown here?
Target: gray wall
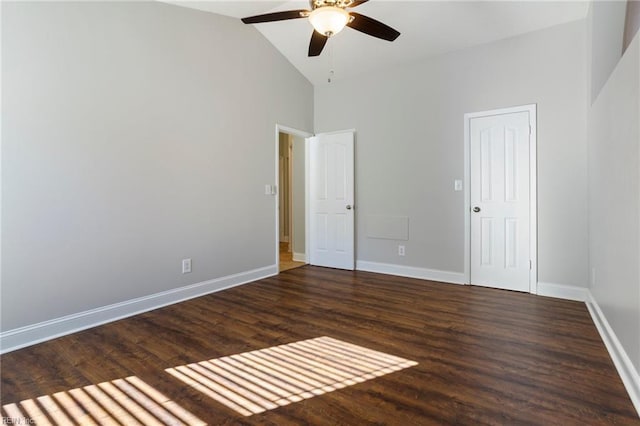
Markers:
(409, 124)
(606, 20)
(614, 199)
(134, 135)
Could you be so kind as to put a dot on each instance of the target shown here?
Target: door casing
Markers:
(533, 228)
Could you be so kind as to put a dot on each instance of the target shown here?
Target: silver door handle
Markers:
(348, 206)
(476, 209)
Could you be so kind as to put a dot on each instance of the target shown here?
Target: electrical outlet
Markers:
(400, 250)
(186, 266)
(457, 185)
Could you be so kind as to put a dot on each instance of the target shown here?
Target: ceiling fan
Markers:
(328, 18)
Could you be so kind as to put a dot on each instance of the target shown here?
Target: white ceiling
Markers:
(428, 28)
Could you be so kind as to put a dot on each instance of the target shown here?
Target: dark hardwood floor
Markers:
(484, 356)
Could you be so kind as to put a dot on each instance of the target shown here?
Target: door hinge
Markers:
(530, 130)
(530, 264)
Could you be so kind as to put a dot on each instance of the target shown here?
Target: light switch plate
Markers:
(457, 185)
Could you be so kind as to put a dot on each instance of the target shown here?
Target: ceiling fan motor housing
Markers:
(315, 4)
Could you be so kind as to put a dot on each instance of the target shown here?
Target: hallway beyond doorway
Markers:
(286, 258)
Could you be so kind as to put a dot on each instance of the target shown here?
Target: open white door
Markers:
(331, 196)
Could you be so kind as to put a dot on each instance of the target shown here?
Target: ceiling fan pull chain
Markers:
(330, 64)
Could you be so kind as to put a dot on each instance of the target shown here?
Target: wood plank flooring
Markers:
(286, 259)
(484, 356)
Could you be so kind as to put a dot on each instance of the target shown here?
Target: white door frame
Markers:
(300, 133)
(533, 197)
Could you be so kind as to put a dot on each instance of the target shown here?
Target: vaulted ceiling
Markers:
(428, 28)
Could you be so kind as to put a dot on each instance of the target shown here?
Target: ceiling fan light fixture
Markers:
(329, 20)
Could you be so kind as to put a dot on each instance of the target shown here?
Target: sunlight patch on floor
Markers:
(128, 401)
(261, 380)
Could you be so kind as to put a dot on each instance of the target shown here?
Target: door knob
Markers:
(476, 209)
(348, 206)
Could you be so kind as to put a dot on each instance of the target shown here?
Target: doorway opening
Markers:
(291, 199)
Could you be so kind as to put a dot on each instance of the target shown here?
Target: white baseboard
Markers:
(563, 291)
(626, 370)
(299, 257)
(411, 272)
(47, 330)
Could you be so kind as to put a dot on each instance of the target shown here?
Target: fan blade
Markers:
(372, 27)
(276, 16)
(317, 43)
(357, 3)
